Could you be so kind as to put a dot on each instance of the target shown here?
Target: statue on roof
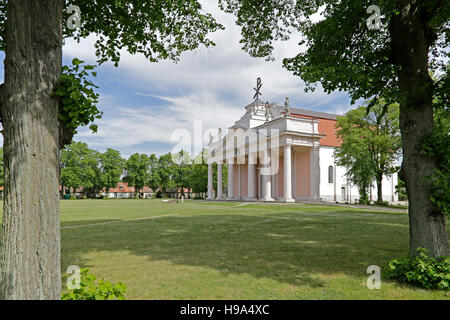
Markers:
(257, 89)
(287, 109)
(267, 114)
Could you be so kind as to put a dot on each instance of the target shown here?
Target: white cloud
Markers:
(128, 127)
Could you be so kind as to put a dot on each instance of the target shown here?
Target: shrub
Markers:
(90, 290)
(421, 271)
(364, 199)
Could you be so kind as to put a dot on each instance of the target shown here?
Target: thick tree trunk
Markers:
(30, 253)
(410, 42)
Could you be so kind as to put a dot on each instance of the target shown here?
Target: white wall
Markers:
(345, 193)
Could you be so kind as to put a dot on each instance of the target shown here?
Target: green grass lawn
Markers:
(204, 250)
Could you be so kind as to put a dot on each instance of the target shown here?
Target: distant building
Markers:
(300, 152)
(123, 191)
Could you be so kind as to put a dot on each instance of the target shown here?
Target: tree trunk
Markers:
(30, 253)
(379, 188)
(410, 46)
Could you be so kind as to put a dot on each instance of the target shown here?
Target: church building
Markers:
(279, 153)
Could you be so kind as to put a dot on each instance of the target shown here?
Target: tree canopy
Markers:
(341, 52)
(160, 29)
(111, 167)
(79, 166)
(370, 146)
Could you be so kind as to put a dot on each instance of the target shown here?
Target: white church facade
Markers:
(278, 153)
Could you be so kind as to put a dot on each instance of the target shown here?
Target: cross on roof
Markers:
(258, 88)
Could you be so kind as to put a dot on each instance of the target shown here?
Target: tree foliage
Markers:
(96, 171)
(342, 53)
(157, 29)
(355, 157)
(154, 179)
(79, 166)
(78, 100)
(167, 171)
(137, 171)
(160, 29)
(111, 167)
(371, 144)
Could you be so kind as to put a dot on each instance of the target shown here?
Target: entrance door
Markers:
(343, 193)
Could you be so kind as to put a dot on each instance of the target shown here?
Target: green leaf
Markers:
(77, 62)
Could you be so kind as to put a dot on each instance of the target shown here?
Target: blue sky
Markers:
(144, 103)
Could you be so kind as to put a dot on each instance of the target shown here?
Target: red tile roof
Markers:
(326, 127)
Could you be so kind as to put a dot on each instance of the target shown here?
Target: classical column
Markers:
(266, 177)
(219, 181)
(314, 173)
(251, 177)
(210, 182)
(239, 180)
(267, 188)
(287, 174)
(230, 181)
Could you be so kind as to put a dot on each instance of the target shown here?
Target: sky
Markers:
(144, 103)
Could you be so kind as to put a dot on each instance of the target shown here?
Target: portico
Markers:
(270, 155)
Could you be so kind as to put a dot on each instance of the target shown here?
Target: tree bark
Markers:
(30, 253)
(411, 41)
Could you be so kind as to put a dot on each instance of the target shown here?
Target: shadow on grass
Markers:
(289, 250)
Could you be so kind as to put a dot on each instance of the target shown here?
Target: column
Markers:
(239, 184)
(219, 181)
(287, 174)
(251, 177)
(315, 173)
(267, 188)
(230, 181)
(266, 178)
(210, 182)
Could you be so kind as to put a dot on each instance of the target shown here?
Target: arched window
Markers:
(330, 174)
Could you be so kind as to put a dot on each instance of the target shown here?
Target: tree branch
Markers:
(429, 14)
(65, 135)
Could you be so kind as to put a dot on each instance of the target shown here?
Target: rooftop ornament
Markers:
(287, 109)
(267, 114)
(257, 89)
